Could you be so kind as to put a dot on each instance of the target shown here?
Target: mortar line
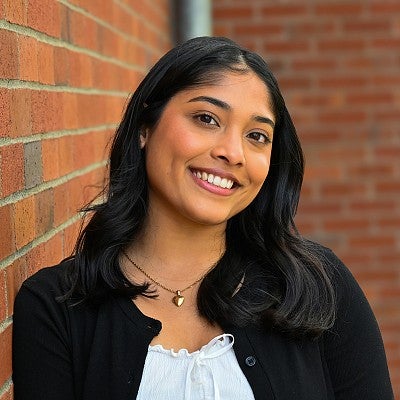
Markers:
(57, 42)
(4, 263)
(23, 194)
(135, 14)
(55, 134)
(3, 326)
(6, 386)
(18, 84)
(107, 24)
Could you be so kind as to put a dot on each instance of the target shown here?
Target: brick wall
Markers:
(338, 63)
(66, 69)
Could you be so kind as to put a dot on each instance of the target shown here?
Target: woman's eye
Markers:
(207, 119)
(259, 137)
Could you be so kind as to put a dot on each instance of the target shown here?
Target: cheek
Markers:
(258, 168)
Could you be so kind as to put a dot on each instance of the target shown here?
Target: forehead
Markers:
(239, 90)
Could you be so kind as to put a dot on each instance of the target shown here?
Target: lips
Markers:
(216, 180)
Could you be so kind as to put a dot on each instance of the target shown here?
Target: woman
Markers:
(190, 280)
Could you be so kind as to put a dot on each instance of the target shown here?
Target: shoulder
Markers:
(51, 280)
(41, 290)
(342, 279)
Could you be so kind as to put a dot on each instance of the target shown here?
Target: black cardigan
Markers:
(98, 353)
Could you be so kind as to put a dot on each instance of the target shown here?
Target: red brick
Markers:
(389, 79)
(311, 64)
(43, 104)
(62, 209)
(367, 26)
(15, 275)
(12, 168)
(5, 354)
(28, 58)
(371, 242)
(24, 216)
(392, 292)
(15, 11)
(70, 237)
(341, 45)
(375, 206)
(375, 98)
(317, 208)
(348, 154)
(320, 29)
(283, 10)
(7, 243)
(376, 170)
(344, 82)
(44, 212)
(348, 189)
(390, 43)
(70, 110)
(83, 150)
(84, 32)
(3, 296)
(389, 222)
(340, 9)
(44, 16)
(8, 55)
(5, 115)
(373, 275)
(341, 224)
(50, 159)
(387, 153)
(53, 250)
(258, 29)
(385, 7)
(392, 187)
(65, 155)
(285, 46)
(61, 66)
(35, 259)
(20, 109)
(295, 82)
(45, 60)
(230, 12)
(342, 116)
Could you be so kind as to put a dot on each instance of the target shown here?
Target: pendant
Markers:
(178, 299)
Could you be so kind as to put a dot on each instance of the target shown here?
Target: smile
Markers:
(214, 179)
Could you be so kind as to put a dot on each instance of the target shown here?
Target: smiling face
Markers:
(209, 154)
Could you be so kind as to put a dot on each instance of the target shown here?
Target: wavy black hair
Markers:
(285, 282)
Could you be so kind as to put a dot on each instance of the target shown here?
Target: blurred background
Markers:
(68, 66)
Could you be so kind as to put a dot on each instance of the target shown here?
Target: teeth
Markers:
(215, 180)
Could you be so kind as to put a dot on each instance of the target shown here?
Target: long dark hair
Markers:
(284, 279)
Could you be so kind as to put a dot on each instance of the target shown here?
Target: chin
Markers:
(208, 219)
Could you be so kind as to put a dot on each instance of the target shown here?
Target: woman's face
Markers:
(209, 154)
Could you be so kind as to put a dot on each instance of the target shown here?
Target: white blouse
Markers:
(211, 373)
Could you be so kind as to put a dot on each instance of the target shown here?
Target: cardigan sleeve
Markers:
(41, 350)
(353, 348)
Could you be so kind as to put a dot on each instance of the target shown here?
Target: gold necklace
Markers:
(178, 299)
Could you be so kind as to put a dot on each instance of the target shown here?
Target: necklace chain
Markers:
(163, 286)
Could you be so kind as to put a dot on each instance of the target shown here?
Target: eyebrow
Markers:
(226, 106)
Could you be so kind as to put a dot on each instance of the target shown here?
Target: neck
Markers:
(178, 249)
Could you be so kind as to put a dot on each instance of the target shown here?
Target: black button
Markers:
(250, 361)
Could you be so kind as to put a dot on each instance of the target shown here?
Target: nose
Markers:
(229, 148)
